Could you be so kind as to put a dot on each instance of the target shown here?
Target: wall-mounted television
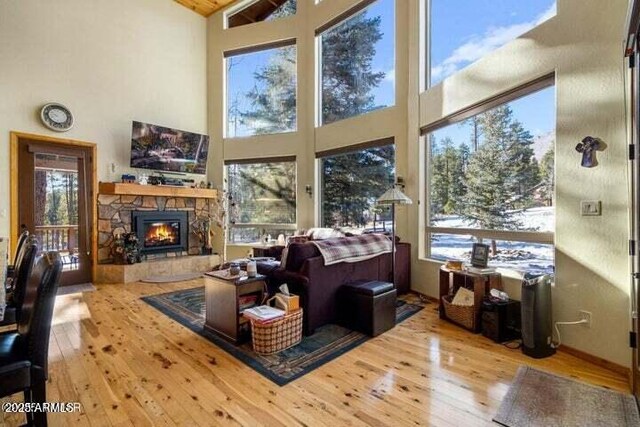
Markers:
(169, 150)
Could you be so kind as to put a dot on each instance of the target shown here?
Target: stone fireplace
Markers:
(116, 215)
(165, 218)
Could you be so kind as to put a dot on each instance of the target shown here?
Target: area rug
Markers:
(171, 278)
(538, 398)
(329, 341)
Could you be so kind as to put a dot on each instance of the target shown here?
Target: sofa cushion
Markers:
(297, 253)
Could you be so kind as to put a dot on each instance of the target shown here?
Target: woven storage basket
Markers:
(463, 315)
(270, 338)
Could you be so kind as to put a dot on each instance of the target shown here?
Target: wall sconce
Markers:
(308, 190)
(400, 182)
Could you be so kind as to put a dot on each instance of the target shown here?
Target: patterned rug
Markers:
(538, 398)
(329, 341)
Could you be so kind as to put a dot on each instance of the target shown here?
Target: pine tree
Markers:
(347, 74)
(547, 176)
(525, 171)
(351, 184)
(274, 95)
(347, 77)
(447, 180)
(501, 174)
(54, 200)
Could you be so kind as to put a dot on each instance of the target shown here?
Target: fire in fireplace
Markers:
(162, 234)
(161, 231)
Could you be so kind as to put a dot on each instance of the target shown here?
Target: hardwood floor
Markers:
(128, 364)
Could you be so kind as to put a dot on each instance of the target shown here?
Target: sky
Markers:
(462, 31)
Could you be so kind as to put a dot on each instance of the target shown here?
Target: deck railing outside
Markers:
(60, 238)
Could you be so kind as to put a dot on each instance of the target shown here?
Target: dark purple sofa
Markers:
(317, 284)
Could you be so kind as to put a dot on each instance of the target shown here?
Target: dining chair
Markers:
(22, 239)
(24, 353)
(23, 269)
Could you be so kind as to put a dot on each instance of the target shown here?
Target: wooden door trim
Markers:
(14, 138)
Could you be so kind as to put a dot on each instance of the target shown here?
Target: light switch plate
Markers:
(591, 208)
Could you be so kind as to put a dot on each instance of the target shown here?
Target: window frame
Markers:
(264, 227)
(481, 234)
(359, 7)
(225, 73)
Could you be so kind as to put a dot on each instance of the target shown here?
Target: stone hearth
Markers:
(115, 274)
(114, 217)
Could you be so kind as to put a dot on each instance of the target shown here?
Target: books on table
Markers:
(247, 301)
(264, 313)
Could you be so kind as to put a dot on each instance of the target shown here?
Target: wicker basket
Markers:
(270, 338)
(463, 315)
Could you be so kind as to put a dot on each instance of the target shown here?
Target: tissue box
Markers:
(292, 302)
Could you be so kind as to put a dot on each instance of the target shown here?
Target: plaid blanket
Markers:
(353, 249)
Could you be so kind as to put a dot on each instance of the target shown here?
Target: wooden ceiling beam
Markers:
(205, 7)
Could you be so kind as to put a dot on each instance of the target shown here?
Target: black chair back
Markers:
(22, 239)
(23, 274)
(37, 311)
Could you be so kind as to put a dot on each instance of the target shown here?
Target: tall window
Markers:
(262, 200)
(261, 10)
(357, 63)
(491, 179)
(463, 31)
(350, 185)
(261, 92)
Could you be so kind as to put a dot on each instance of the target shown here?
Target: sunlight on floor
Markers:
(70, 308)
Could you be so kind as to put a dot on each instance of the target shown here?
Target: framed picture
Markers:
(480, 255)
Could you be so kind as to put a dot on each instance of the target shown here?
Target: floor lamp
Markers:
(393, 197)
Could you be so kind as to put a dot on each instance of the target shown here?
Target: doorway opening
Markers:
(53, 191)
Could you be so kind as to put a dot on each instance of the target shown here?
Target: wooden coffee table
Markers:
(222, 310)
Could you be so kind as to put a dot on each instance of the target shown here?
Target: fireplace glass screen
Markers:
(159, 234)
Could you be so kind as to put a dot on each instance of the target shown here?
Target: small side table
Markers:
(480, 284)
(222, 309)
(272, 251)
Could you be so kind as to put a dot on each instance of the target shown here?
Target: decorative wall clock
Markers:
(56, 117)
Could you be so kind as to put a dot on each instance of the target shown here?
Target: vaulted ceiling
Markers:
(205, 7)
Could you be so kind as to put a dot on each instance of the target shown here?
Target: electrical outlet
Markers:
(585, 315)
(591, 208)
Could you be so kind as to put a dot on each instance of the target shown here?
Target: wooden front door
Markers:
(54, 193)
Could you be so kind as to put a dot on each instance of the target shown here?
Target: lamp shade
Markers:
(393, 195)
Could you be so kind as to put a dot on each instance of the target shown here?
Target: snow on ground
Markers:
(534, 219)
(520, 256)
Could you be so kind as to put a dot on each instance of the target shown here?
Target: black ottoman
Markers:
(368, 306)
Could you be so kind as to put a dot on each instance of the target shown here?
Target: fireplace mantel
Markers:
(122, 189)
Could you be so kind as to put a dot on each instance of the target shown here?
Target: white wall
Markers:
(110, 62)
